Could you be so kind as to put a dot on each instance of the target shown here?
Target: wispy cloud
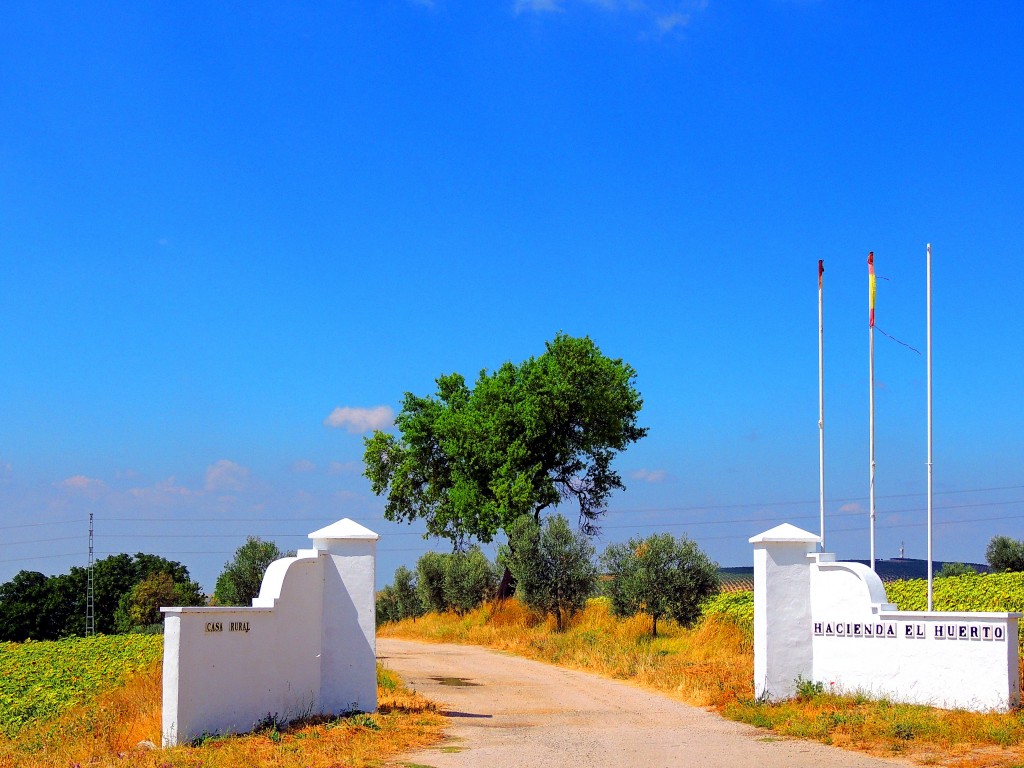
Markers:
(852, 508)
(88, 486)
(303, 466)
(428, 4)
(345, 467)
(663, 17)
(359, 420)
(536, 6)
(672, 22)
(650, 475)
(226, 475)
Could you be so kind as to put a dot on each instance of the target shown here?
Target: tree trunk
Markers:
(654, 627)
(507, 586)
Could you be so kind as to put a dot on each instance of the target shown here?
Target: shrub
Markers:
(660, 576)
(399, 600)
(553, 566)
(457, 581)
(955, 569)
(468, 579)
(430, 570)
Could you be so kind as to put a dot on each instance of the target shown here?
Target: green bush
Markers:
(458, 581)
(430, 570)
(468, 579)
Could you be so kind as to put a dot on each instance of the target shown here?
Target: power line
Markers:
(36, 525)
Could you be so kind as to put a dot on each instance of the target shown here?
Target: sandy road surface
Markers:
(507, 712)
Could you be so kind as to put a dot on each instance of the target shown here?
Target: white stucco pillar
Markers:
(782, 610)
(348, 663)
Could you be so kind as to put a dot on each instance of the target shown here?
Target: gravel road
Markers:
(508, 712)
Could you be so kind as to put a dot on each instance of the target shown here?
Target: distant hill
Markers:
(741, 578)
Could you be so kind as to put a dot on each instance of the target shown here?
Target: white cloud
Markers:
(853, 507)
(650, 475)
(536, 6)
(163, 491)
(665, 17)
(89, 486)
(303, 466)
(359, 420)
(345, 468)
(226, 475)
(672, 21)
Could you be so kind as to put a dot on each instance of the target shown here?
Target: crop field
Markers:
(39, 681)
(97, 702)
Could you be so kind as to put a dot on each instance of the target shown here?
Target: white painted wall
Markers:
(307, 644)
(830, 622)
(782, 610)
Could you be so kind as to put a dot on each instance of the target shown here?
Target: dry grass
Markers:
(107, 732)
(706, 666)
(712, 665)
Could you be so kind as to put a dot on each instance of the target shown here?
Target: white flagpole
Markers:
(871, 408)
(821, 405)
(928, 280)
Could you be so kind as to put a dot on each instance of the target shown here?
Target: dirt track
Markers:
(508, 712)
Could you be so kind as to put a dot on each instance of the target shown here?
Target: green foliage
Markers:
(553, 566)
(738, 607)
(457, 581)
(430, 569)
(39, 681)
(970, 592)
(400, 599)
(470, 462)
(1005, 554)
(139, 608)
(468, 579)
(808, 689)
(659, 576)
(242, 576)
(33, 606)
(979, 592)
(955, 569)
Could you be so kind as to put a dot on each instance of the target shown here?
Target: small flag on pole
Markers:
(871, 289)
(821, 271)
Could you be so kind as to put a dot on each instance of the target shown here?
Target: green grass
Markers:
(39, 681)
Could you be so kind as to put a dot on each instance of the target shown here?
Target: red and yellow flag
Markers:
(871, 289)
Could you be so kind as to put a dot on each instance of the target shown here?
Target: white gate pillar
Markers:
(782, 610)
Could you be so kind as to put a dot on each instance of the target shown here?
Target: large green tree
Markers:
(523, 439)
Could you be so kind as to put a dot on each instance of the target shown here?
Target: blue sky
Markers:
(233, 235)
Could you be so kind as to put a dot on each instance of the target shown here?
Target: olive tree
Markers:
(242, 576)
(659, 576)
(1005, 554)
(553, 566)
